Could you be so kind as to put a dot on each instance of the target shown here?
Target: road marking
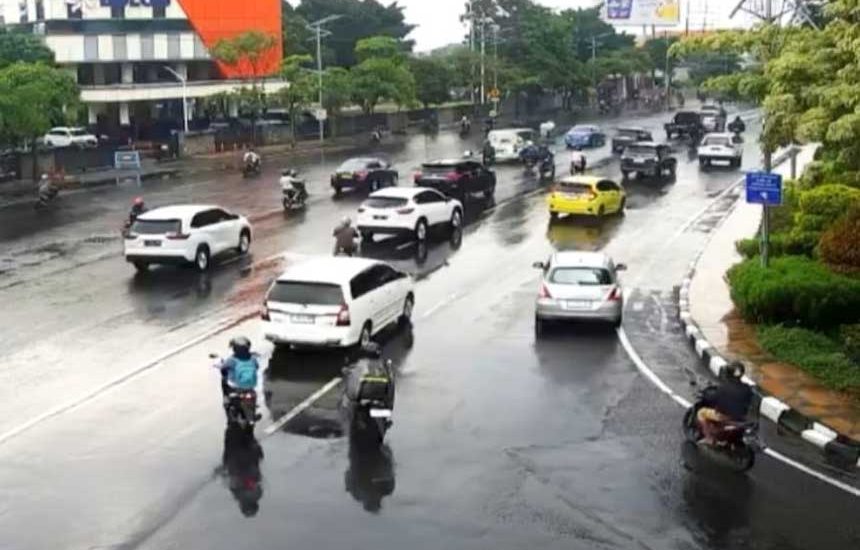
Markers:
(301, 407)
(451, 297)
(663, 387)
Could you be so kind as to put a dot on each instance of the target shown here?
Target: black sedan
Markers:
(366, 173)
(457, 178)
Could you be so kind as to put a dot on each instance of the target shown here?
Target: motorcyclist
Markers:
(577, 162)
(465, 124)
(252, 160)
(345, 236)
(737, 126)
(138, 207)
(488, 153)
(370, 368)
(728, 403)
(291, 184)
(239, 371)
(47, 187)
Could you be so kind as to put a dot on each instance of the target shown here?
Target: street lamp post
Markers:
(316, 26)
(184, 81)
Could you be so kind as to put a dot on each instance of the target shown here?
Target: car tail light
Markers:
(452, 176)
(544, 292)
(360, 175)
(343, 316)
(178, 236)
(615, 295)
(264, 313)
(405, 211)
(417, 176)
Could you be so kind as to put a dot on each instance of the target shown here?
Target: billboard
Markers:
(642, 12)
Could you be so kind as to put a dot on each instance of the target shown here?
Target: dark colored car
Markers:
(629, 135)
(648, 159)
(457, 178)
(685, 123)
(368, 173)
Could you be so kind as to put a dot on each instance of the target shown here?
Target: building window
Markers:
(40, 10)
(117, 11)
(120, 51)
(91, 47)
(159, 11)
(74, 11)
(147, 46)
(173, 50)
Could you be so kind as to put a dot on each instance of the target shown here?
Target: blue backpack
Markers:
(245, 373)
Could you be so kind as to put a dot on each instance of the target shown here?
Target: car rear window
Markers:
(686, 117)
(629, 133)
(300, 292)
(714, 140)
(438, 169)
(576, 188)
(385, 202)
(156, 227)
(581, 276)
(640, 150)
(352, 165)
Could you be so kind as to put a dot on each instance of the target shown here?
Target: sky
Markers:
(439, 25)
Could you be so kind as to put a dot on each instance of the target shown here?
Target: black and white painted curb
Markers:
(834, 445)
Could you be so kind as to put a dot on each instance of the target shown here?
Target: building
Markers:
(135, 59)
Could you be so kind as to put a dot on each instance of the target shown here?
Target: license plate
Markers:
(638, 161)
(380, 217)
(577, 304)
(344, 176)
(302, 319)
(380, 413)
(151, 243)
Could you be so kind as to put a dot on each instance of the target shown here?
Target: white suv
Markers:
(408, 210)
(721, 147)
(62, 136)
(336, 302)
(185, 234)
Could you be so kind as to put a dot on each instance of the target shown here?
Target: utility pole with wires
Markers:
(317, 28)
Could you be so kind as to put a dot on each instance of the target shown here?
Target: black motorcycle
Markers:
(295, 197)
(546, 169)
(737, 444)
(250, 169)
(368, 401)
(240, 405)
(46, 197)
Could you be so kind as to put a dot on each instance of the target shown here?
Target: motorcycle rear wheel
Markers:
(743, 458)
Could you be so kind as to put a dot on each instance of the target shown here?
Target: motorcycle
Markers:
(294, 197)
(546, 170)
(252, 168)
(577, 167)
(240, 406)
(368, 401)
(46, 197)
(376, 136)
(465, 129)
(737, 444)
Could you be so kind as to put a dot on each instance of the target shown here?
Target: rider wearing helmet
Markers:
(729, 403)
(345, 236)
(138, 207)
(371, 377)
(239, 371)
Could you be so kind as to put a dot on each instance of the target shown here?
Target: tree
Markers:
(360, 19)
(23, 47)
(301, 88)
(382, 75)
(433, 79)
(657, 50)
(337, 92)
(296, 35)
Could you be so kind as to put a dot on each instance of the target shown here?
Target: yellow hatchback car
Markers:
(586, 196)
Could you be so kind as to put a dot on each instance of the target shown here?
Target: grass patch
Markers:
(813, 352)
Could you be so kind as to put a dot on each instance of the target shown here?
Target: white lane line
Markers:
(301, 407)
(650, 375)
(451, 297)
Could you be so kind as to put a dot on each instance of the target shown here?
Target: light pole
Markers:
(316, 26)
(184, 81)
(594, 40)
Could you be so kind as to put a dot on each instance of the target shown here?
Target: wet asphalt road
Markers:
(109, 440)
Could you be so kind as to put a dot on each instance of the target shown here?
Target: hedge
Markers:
(840, 243)
(823, 205)
(796, 291)
(796, 243)
(813, 352)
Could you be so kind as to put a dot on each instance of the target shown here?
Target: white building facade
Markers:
(134, 60)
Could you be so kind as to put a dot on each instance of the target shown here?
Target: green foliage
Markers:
(336, 89)
(657, 50)
(433, 79)
(33, 98)
(795, 243)
(849, 335)
(303, 87)
(840, 243)
(297, 37)
(823, 205)
(23, 47)
(813, 352)
(378, 79)
(796, 291)
(244, 52)
(379, 47)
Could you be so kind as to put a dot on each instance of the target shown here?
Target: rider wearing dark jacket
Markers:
(730, 402)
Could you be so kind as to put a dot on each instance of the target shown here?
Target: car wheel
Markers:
(489, 192)
(367, 236)
(202, 259)
(672, 170)
(540, 327)
(141, 267)
(421, 230)
(625, 175)
(244, 242)
(553, 215)
(617, 322)
(373, 185)
(337, 190)
(601, 211)
(622, 206)
(366, 335)
(456, 219)
(408, 307)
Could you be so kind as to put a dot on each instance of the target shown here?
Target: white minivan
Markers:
(336, 302)
(509, 141)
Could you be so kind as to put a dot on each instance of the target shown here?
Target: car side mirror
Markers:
(539, 265)
(213, 356)
(621, 267)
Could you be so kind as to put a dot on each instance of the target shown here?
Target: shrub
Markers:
(823, 205)
(782, 216)
(796, 243)
(812, 352)
(794, 290)
(840, 243)
(850, 336)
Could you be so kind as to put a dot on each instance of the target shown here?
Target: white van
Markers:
(336, 302)
(509, 141)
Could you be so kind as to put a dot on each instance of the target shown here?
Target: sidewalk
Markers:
(722, 327)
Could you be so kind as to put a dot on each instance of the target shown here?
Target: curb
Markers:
(832, 444)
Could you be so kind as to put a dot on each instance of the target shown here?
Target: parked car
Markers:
(368, 173)
(586, 196)
(584, 135)
(629, 135)
(713, 118)
(685, 124)
(508, 142)
(457, 178)
(721, 148)
(581, 286)
(62, 136)
(185, 234)
(648, 159)
(408, 210)
(336, 302)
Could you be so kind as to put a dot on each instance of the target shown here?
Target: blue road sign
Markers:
(764, 188)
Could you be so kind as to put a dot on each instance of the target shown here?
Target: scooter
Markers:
(738, 443)
(294, 197)
(46, 197)
(252, 169)
(546, 170)
(368, 401)
(240, 406)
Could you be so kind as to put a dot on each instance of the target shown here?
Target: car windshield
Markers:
(299, 292)
(641, 150)
(575, 188)
(525, 135)
(352, 165)
(385, 202)
(156, 227)
(79, 132)
(581, 276)
(717, 140)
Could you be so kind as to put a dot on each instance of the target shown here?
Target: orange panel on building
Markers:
(217, 19)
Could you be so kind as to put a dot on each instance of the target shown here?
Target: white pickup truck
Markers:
(723, 147)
